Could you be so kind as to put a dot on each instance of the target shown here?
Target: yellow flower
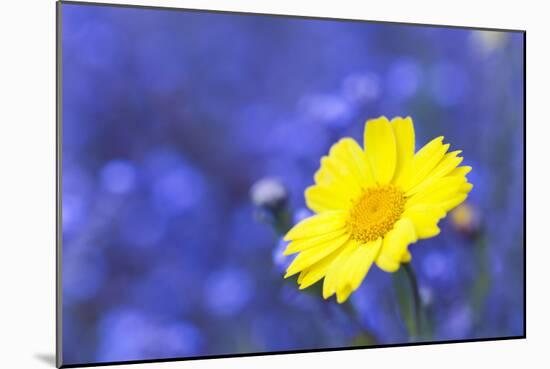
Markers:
(371, 204)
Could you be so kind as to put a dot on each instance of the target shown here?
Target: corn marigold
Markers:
(371, 203)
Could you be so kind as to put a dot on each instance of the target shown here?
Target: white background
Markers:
(27, 202)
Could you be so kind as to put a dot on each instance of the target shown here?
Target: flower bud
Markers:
(466, 219)
(269, 194)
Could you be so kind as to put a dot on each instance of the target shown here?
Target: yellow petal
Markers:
(394, 245)
(339, 169)
(403, 130)
(406, 257)
(343, 294)
(423, 163)
(348, 153)
(466, 187)
(342, 177)
(333, 184)
(322, 198)
(315, 272)
(449, 162)
(317, 225)
(303, 244)
(387, 264)
(354, 268)
(454, 201)
(331, 277)
(380, 149)
(437, 192)
(350, 268)
(311, 256)
(461, 171)
(425, 219)
(329, 174)
(361, 261)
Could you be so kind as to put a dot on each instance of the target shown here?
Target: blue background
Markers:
(169, 117)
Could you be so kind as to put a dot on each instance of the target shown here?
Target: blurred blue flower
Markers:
(177, 191)
(254, 121)
(449, 83)
(426, 295)
(435, 265)
(457, 323)
(228, 291)
(118, 176)
(141, 226)
(77, 196)
(362, 87)
(74, 212)
(163, 283)
(297, 139)
(330, 109)
(403, 78)
(246, 232)
(149, 339)
(84, 273)
(176, 185)
(98, 44)
(161, 62)
(271, 333)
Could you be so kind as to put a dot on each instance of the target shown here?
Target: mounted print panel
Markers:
(238, 184)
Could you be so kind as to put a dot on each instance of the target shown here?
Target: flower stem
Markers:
(411, 275)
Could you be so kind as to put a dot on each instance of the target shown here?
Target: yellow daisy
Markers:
(371, 203)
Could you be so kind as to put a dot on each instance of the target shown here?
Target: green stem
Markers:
(282, 221)
(479, 290)
(411, 275)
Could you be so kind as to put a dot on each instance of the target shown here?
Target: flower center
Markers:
(375, 213)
